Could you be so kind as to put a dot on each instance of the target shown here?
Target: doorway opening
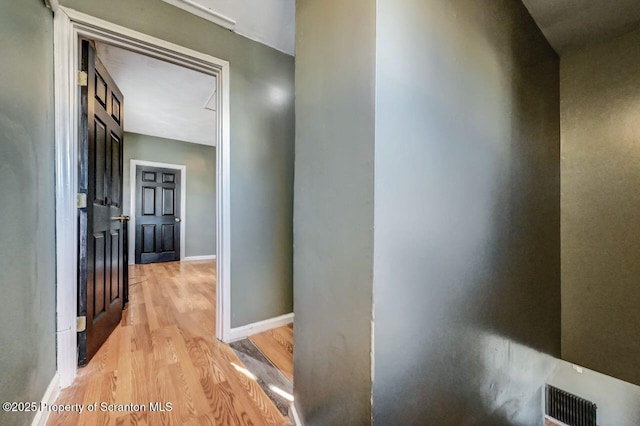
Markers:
(158, 212)
(69, 27)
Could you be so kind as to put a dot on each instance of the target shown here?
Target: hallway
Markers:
(165, 351)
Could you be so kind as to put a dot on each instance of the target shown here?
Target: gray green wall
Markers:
(27, 229)
(618, 401)
(600, 101)
(335, 77)
(200, 161)
(467, 214)
(262, 148)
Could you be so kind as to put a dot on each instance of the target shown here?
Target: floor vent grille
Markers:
(569, 409)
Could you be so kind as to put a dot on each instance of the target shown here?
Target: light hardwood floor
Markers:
(277, 345)
(165, 351)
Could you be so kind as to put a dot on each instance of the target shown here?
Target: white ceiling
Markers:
(571, 24)
(162, 99)
(270, 22)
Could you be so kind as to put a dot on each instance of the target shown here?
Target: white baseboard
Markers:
(206, 257)
(294, 416)
(245, 331)
(49, 398)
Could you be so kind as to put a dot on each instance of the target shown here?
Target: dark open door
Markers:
(101, 223)
(157, 217)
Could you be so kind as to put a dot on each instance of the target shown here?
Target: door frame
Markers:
(133, 164)
(69, 25)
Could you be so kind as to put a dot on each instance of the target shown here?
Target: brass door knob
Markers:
(121, 218)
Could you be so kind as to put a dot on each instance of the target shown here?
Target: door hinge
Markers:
(82, 200)
(81, 324)
(82, 78)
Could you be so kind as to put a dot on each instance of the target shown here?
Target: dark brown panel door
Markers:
(157, 214)
(101, 224)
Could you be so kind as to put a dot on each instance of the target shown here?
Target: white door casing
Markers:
(69, 26)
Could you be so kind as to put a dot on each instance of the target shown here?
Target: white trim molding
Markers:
(204, 13)
(66, 156)
(69, 26)
(133, 164)
(239, 333)
(52, 4)
(293, 415)
(195, 258)
(49, 398)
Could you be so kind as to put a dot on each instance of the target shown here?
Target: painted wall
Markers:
(333, 261)
(600, 102)
(467, 214)
(27, 229)
(262, 148)
(618, 402)
(201, 184)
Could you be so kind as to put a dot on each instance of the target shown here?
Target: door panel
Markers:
(101, 262)
(99, 281)
(168, 232)
(99, 142)
(148, 201)
(167, 202)
(116, 162)
(116, 267)
(158, 225)
(149, 243)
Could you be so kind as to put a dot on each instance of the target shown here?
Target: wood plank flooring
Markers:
(165, 351)
(277, 345)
